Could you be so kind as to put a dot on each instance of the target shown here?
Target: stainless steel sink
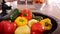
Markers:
(55, 24)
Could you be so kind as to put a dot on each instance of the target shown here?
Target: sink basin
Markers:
(3, 17)
(54, 22)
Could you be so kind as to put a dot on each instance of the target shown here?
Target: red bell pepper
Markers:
(1, 29)
(37, 33)
(8, 27)
(27, 13)
(37, 28)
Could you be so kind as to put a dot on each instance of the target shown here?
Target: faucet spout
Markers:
(4, 8)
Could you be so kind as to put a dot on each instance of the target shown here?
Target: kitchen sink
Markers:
(53, 21)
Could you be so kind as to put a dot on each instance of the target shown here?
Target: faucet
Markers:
(4, 8)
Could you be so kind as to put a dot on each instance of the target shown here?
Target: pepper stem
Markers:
(21, 20)
(46, 24)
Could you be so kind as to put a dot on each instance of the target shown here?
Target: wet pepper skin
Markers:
(27, 14)
(37, 28)
(8, 27)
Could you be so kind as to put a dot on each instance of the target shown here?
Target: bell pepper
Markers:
(37, 28)
(23, 30)
(27, 14)
(47, 23)
(1, 29)
(31, 22)
(20, 21)
(38, 18)
(13, 15)
(8, 27)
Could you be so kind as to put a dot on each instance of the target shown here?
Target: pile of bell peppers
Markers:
(37, 26)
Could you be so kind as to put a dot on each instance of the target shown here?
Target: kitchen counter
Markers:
(50, 10)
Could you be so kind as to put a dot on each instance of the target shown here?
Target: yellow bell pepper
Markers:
(20, 21)
(46, 23)
(23, 30)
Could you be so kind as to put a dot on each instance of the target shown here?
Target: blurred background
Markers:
(50, 7)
